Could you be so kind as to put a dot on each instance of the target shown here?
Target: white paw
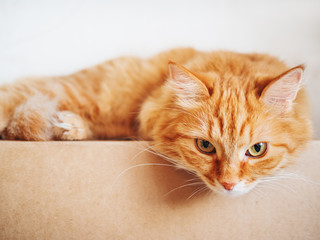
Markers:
(69, 126)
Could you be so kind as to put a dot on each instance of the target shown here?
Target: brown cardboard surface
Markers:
(98, 190)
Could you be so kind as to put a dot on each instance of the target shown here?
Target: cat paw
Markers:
(69, 126)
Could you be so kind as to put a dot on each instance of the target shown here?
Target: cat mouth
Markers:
(238, 189)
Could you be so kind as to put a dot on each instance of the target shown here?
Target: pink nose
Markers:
(228, 185)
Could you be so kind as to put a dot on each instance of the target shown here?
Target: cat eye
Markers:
(205, 146)
(257, 150)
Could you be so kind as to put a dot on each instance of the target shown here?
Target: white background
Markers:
(40, 37)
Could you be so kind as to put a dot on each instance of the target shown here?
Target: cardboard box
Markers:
(119, 190)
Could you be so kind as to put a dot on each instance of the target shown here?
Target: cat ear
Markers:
(188, 88)
(281, 92)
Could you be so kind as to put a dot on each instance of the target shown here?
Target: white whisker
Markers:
(197, 191)
(141, 152)
(268, 186)
(273, 184)
(182, 186)
(258, 192)
(193, 179)
(142, 165)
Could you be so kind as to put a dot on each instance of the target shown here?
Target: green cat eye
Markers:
(205, 146)
(257, 150)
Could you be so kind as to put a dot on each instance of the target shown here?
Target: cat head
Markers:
(232, 132)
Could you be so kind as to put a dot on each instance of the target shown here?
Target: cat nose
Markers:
(228, 185)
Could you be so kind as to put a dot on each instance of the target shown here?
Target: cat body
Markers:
(208, 111)
(108, 97)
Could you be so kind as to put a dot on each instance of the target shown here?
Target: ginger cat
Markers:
(231, 118)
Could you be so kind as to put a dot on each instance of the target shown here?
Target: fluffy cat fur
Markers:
(228, 99)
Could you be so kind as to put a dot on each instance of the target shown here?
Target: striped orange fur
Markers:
(230, 100)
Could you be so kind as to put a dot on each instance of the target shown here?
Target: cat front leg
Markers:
(30, 120)
(38, 119)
